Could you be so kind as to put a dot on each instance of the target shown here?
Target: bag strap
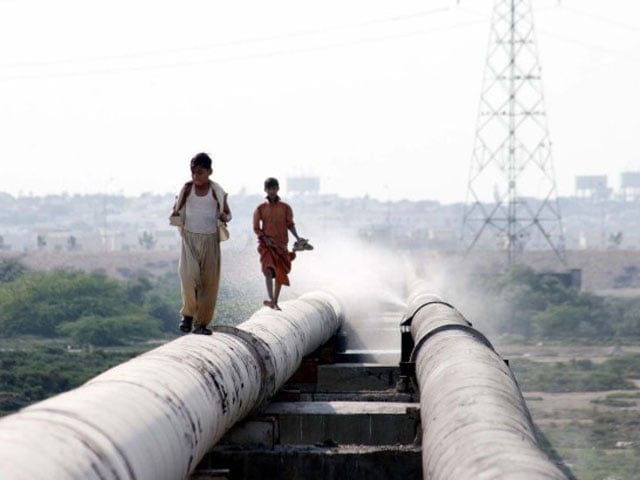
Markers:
(215, 196)
(186, 191)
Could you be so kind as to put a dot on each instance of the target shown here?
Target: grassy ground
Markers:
(34, 369)
(596, 433)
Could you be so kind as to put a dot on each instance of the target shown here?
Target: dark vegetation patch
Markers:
(33, 373)
(539, 308)
(577, 375)
(606, 446)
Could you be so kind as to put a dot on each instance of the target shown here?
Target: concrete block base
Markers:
(363, 423)
(353, 462)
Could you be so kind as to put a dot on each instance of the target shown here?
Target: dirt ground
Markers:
(564, 353)
(562, 407)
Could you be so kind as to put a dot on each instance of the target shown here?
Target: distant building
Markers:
(592, 186)
(107, 240)
(630, 186)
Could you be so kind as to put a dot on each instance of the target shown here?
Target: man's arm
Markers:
(257, 228)
(291, 226)
(292, 229)
(256, 223)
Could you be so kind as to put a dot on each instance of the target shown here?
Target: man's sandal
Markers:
(302, 244)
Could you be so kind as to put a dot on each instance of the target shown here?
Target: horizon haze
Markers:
(374, 98)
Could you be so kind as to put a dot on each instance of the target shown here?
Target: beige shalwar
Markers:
(199, 270)
(199, 266)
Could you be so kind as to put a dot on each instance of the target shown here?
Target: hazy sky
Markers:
(375, 97)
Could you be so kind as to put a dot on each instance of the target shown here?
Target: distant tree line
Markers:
(88, 308)
(42, 312)
(537, 308)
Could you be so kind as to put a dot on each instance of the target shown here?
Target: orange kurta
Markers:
(273, 220)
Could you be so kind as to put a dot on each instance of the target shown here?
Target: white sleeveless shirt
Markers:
(201, 213)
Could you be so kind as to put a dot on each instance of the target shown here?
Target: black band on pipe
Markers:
(262, 355)
(452, 326)
(407, 321)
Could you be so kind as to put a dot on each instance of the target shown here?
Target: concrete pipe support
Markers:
(475, 421)
(155, 416)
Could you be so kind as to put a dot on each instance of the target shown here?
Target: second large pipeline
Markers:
(475, 421)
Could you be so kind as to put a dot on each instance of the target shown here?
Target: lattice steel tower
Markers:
(511, 191)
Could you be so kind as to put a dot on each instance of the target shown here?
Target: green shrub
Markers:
(34, 373)
(560, 321)
(106, 331)
(39, 302)
(11, 269)
(539, 307)
(613, 402)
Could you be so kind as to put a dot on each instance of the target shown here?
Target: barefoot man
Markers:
(272, 222)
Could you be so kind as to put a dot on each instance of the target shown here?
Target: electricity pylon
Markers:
(511, 194)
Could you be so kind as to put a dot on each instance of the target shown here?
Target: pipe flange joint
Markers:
(442, 328)
(263, 356)
(406, 321)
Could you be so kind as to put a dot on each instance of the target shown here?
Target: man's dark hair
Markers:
(201, 160)
(271, 183)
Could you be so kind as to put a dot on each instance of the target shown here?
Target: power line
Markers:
(232, 43)
(568, 39)
(234, 58)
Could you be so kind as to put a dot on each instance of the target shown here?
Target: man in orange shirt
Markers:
(272, 220)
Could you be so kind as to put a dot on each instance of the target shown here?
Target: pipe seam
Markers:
(407, 321)
(260, 351)
(442, 328)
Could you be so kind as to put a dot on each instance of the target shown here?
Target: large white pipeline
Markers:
(475, 422)
(155, 416)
